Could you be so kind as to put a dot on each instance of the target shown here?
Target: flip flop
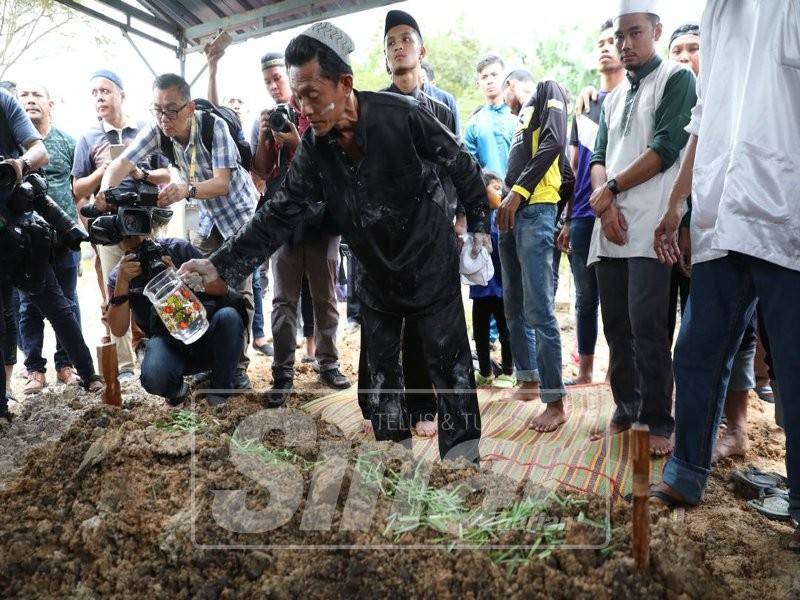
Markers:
(753, 483)
(772, 506)
(669, 501)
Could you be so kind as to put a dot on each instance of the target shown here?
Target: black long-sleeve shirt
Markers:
(390, 208)
(533, 161)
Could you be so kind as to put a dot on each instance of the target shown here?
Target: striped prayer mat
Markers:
(565, 458)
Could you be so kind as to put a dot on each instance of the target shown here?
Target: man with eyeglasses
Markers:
(93, 153)
(212, 176)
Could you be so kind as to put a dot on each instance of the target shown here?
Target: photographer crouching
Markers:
(168, 360)
(34, 232)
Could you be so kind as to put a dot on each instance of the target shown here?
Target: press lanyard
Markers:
(193, 163)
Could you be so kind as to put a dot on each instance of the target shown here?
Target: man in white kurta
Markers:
(745, 229)
(640, 138)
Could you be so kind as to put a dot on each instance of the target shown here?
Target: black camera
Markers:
(38, 232)
(135, 213)
(31, 195)
(148, 255)
(280, 117)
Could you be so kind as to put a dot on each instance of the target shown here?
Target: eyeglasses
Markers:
(169, 113)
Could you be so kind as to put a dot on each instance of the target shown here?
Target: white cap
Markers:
(628, 7)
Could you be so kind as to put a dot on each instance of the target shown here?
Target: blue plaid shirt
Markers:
(229, 212)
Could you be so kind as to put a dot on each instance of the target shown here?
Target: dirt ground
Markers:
(100, 502)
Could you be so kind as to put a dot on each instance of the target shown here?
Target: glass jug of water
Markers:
(176, 305)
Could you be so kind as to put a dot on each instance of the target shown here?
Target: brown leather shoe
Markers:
(36, 383)
(67, 375)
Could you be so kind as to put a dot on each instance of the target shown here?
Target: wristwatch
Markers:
(145, 176)
(27, 166)
(192, 192)
(611, 184)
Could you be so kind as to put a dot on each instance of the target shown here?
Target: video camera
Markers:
(134, 213)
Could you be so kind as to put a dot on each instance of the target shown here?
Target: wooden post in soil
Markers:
(109, 368)
(641, 496)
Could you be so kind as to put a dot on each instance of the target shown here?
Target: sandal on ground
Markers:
(773, 506)
(94, 385)
(765, 393)
(668, 500)
(752, 483)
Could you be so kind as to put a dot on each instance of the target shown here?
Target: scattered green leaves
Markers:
(272, 456)
(182, 421)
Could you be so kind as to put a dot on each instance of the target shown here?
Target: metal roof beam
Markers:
(310, 17)
(249, 16)
(123, 25)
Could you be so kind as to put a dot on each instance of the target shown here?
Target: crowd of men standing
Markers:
(609, 190)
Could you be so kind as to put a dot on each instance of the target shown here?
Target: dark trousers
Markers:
(54, 306)
(483, 309)
(307, 309)
(166, 360)
(10, 319)
(678, 288)
(3, 299)
(586, 295)
(353, 302)
(634, 295)
(31, 320)
(445, 349)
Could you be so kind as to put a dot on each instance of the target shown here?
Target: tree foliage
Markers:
(23, 23)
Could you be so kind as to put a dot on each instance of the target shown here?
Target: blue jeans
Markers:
(258, 306)
(31, 320)
(166, 360)
(722, 303)
(587, 298)
(526, 256)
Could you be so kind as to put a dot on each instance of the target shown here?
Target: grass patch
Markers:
(445, 511)
(272, 456)
(182, 421)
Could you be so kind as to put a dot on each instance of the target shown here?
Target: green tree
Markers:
(566, 57)
(25, 22)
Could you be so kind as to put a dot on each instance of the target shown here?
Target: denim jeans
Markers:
(9, 315)
(526, 256)
(258, 306)
(166, 360)
(587, 298)
(31, 320)
(51, 302)
(722, 303)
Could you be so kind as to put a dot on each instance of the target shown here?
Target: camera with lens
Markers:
(38, 232)
(148, 255)
(134, 213)
(280, 117)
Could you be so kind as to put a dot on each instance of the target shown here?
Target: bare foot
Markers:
(366, 426)
(733, 442)
(612, 429)
(581, 380)
(528, 391)
(550, 419)
(660, 446)
(425, 428)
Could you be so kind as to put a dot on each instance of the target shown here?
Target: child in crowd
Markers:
(487, 301)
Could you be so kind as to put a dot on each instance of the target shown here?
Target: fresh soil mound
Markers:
(107, 511)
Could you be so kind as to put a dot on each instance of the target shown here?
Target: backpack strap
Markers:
(207, 131)
(167, 149)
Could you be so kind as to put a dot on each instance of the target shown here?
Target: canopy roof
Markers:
(186, 25)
